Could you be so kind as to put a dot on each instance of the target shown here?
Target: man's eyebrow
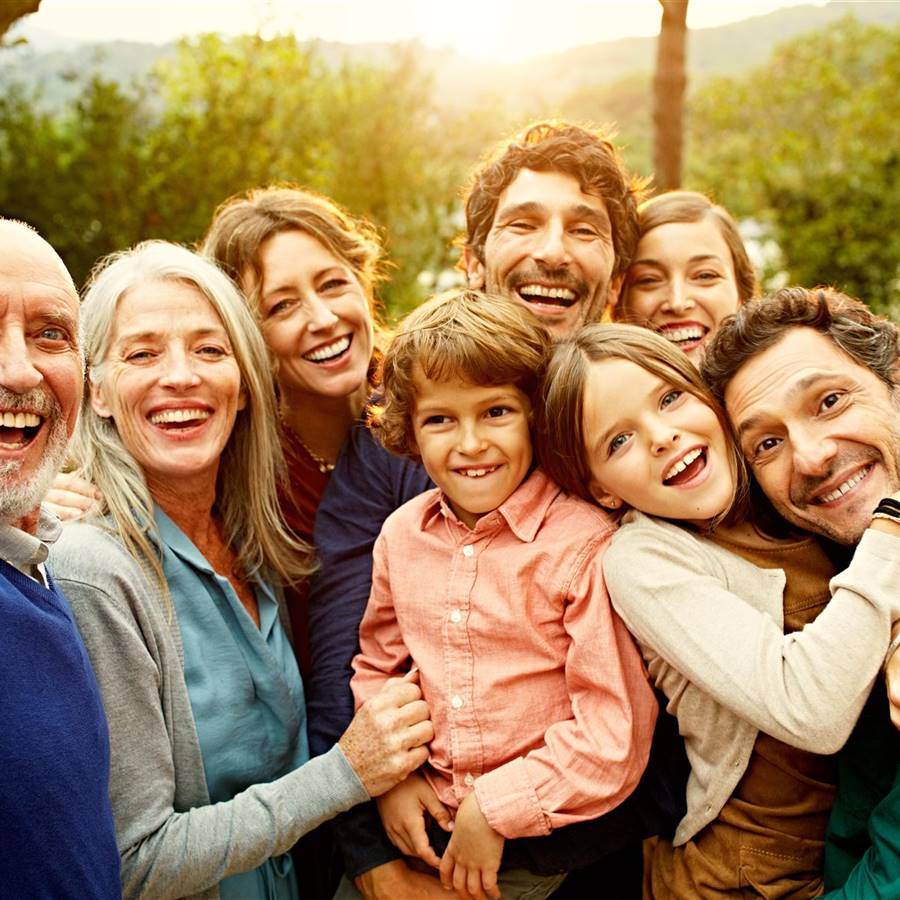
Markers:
(529, 207)
(806, 382)
(59, 317)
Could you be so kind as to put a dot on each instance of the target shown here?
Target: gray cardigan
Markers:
(711, 628)
(173, 843)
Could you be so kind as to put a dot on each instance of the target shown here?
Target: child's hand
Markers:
(402, 811)
(472, 858)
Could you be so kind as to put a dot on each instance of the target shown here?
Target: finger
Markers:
(438, 811)
(397, 692)
(418, 838)
(418, 734)
(413, 712)
(70, 498)
(404, 842)
(446, 869)
(473, 884)
(459, 881)
(489, 882)
(416, 757)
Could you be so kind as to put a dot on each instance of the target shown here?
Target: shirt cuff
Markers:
(509, 803)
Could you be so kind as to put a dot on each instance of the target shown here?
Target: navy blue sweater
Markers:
(367, 485)
(57, 838)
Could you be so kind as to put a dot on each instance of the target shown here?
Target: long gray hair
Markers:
(252, 464)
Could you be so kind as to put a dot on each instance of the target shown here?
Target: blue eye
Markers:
(669, 398)
(618, 442)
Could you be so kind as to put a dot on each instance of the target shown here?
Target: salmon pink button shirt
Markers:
(538, 695)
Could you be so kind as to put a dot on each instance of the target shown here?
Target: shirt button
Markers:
(456, 702)
(456, 616)
(469, 779)
(468, 550)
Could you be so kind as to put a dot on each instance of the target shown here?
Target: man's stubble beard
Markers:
(18, 496)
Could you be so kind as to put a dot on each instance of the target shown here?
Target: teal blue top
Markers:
(862, 847)
(245, 693)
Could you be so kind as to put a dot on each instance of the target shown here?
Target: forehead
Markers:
(552, 190)
(775, 382)
(32, 274)
(683, 241)
(290, 251)
(165, 305)
(456, 391)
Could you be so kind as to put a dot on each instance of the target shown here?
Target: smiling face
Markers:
(550, 247)
(820, 431)
(171, 383)
(315, 317)
(652, 446)
(41, 374)
(682, 283)
(474, 442)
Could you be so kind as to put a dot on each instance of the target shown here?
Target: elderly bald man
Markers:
(58, 834)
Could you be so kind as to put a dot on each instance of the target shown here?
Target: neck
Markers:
(27, 523)
(322, 423)
(189, 504)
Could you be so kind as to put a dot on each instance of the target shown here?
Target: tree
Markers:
(13, 10)
(668, 94)
(809, 144)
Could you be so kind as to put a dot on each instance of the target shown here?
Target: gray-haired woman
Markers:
(175, 588)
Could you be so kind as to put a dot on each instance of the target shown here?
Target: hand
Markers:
(472, 858)
(386, 739)
(396, 881)
(71, 497)
(892, 679)
(402, 810)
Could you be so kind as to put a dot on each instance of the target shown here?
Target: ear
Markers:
(613, 298)
(603, 497)
(474, 269)
(242, 400)
(98, 401)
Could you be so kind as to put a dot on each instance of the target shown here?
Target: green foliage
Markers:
(810, 145)
(221, 116)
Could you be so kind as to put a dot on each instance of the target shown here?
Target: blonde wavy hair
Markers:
(252, 464)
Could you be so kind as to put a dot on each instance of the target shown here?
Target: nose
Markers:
(679, 300)
(17, 370)
(551, 249)
(321, 316)
(178, 370)
(811, 453)
(663, 437)
(470, 440)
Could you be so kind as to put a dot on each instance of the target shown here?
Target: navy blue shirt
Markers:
(58, 839)
(367, 485)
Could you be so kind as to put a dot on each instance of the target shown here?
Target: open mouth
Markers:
(329, 352)
(477, 473)
(18, 429)
(689, 466)
(685, 337)
(176, 420)
(843, 487)
(562, 297)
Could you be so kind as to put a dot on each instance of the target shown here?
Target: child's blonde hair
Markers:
(559, 407)
(465, 335)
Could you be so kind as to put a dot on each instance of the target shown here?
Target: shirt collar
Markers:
(179, 543)
(21, 549)
(523, 511)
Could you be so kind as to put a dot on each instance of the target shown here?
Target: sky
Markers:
(499, 29)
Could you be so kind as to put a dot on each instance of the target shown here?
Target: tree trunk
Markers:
(668, 94)
(10, 10)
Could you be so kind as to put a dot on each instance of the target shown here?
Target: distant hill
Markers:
(57, 65)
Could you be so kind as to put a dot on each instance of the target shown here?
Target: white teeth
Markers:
(477, 473)
(19, 420)
(335, 348)
(682, 463)
(683, 335)
(166, 416)
(555, 293)
(842, 489)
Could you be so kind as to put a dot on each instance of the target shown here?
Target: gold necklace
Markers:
(325, 467)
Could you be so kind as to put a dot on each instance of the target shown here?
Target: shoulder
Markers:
(409, 516)
(585, 521)
(86, 549)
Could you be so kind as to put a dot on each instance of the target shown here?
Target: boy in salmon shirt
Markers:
(490, 586)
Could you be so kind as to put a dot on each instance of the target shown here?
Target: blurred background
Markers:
(130, 120)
